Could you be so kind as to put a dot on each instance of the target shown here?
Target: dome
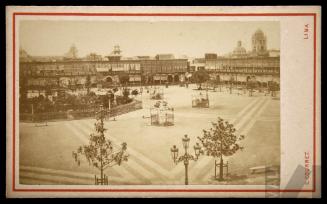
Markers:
(239, 50)
(258, 34)
(23, 53)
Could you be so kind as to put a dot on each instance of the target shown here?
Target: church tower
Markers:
(115, 54)
(259, 43)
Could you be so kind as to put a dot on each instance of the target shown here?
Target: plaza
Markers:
(45, 152)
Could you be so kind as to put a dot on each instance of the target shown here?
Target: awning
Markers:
(160, 77)
(134, 78)
(188, 75)
(102, 69)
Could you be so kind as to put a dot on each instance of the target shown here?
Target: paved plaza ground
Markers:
(46, 151)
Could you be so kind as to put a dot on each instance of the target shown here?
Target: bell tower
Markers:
(259, 43)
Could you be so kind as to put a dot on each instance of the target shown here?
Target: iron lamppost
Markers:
(186, 157)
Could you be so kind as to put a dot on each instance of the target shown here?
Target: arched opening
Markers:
(253, 78)
(176, 78)
(248, 78)
(108, 79)
(151, 79)
(107, 82)
(218, 78)
(170, 78)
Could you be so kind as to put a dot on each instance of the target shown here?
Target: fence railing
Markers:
(79, 114)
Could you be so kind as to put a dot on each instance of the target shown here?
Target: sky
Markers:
(193, 39)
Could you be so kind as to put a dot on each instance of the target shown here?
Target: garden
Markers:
(63, 104)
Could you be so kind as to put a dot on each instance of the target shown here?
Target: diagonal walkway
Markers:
(141, 169)
(242, 129)
(134, 153)
(244, 121)
(131, 169)
(241, 118)
(31, 174)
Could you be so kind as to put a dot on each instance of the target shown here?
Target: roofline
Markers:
(99, 61)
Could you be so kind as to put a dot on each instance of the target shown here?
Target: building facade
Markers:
(162, 71)
(69, 73)
(241, 69)
(109, 71)
(57, 74)
(240, 65)
(260, 64)
(197, 64)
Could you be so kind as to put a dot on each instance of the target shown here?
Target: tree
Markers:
(231, 81)
(200, 76)
(75, 83)
(126, 93)
(273, 87)
(48, 89)
(23, 89)
(71, 100)
(88, 83)
(100, 151)
(124, 78)
(220, 141)
(40, 106)
(104, 100)
(111, 96)
(70, 84)
(251, 85)
(135, 92)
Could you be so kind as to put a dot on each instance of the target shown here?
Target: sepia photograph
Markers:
(148, 102)
(163, 101)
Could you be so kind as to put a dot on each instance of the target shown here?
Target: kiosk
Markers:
(200, 101)
(156, 93)
(161, 114)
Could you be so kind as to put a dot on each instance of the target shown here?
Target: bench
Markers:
(261, 169)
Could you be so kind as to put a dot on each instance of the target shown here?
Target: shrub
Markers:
(126, 92)
(135, 92)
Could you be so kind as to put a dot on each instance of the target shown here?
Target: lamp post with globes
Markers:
(186, 157)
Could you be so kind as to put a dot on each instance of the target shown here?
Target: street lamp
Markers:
(197, 150)
(186, 157)
(186, 141)
(101, 113)
(174, 152)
